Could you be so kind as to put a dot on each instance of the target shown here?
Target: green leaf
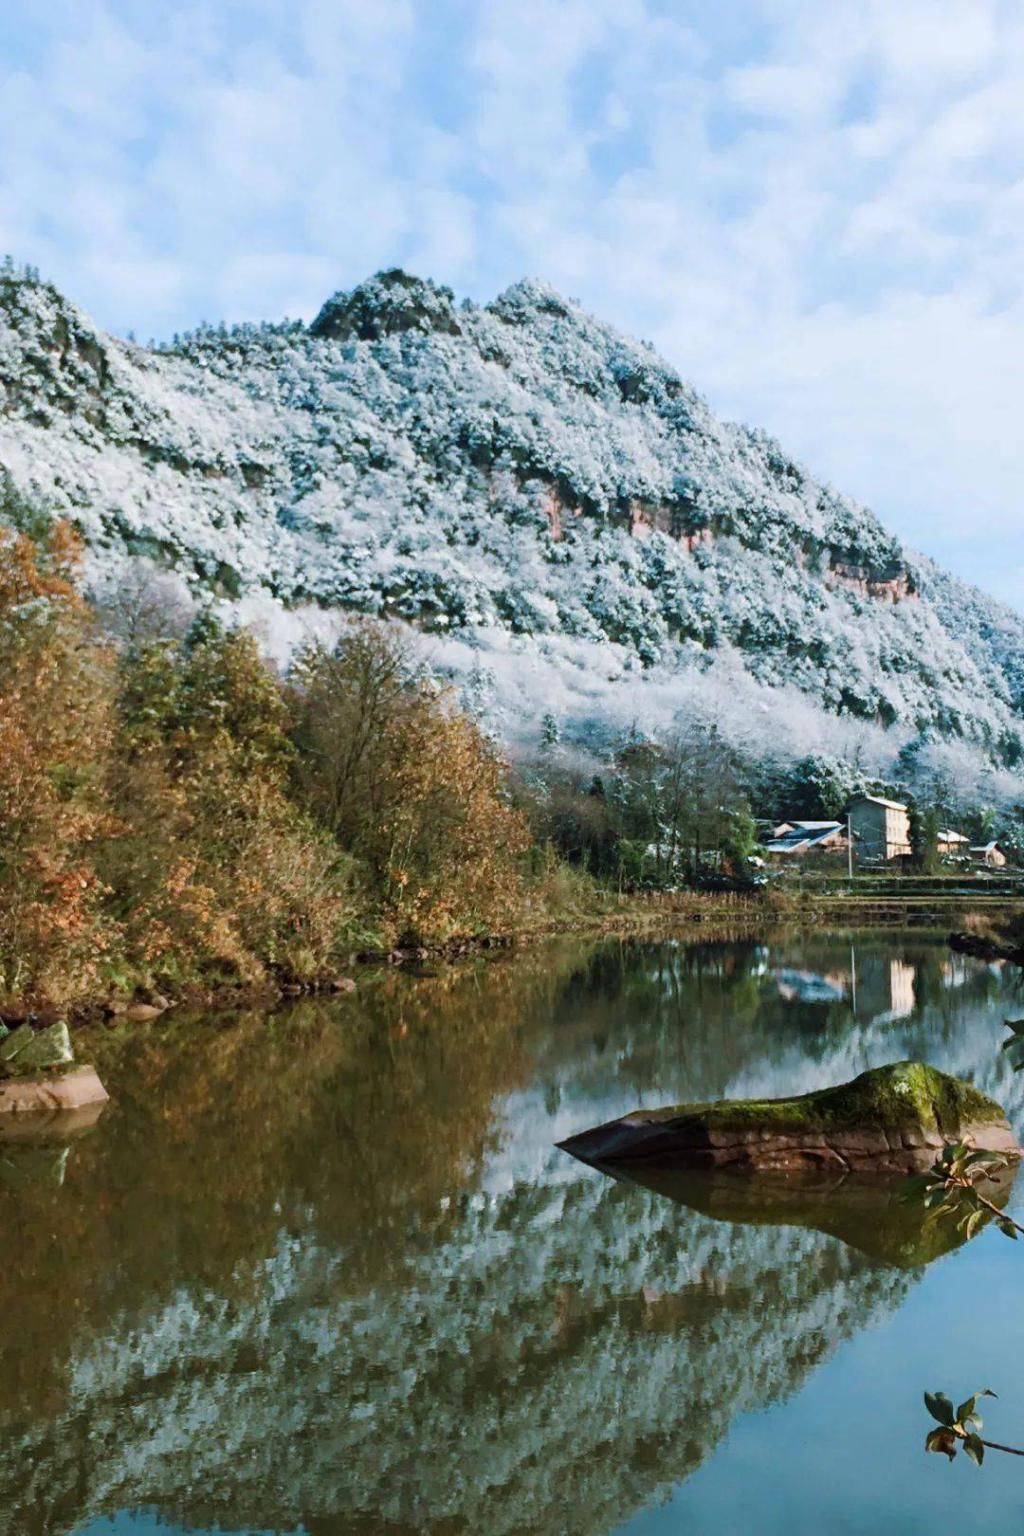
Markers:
(965, 1409)
(974, 1449)
(942, 1440)
(984, 1159)
(1017, 1025)
(1008, 1229)
(940, 1408)
(975, 1220)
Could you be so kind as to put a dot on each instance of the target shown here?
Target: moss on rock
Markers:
(905, 1095)
(892, 1119)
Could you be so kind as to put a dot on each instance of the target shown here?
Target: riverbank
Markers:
(602, 912)
(655, 914)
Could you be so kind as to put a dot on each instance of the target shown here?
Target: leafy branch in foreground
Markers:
(960, 1425)
(949, 1188)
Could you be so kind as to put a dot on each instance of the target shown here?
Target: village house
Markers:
(952, 843)
(881, 828)
(798, 838)
(989, 854)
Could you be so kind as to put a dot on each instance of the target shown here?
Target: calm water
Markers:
(327, 1273)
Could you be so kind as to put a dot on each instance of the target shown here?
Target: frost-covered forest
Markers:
(547, 499)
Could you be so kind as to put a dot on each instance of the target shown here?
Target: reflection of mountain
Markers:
(334, 1269)
(553, 1358)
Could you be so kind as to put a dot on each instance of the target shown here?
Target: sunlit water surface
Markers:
(327, 1272)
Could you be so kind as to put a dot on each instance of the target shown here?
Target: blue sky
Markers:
(815, 211)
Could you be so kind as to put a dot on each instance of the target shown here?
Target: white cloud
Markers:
(816, 211)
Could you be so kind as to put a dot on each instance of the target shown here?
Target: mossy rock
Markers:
(893, 1119)
(26, 1050)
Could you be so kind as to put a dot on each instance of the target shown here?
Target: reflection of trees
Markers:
(221, 1132)
(331, 1267)
(550, 1361)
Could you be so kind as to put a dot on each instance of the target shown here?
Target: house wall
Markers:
(883, 832)
(897, 831)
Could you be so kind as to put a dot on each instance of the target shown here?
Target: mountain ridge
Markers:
(546, 498)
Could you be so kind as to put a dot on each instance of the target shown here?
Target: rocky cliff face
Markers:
(547, 498)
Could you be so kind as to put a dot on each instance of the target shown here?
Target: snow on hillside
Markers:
(544, 497)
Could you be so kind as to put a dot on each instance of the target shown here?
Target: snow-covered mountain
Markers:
(544, 496)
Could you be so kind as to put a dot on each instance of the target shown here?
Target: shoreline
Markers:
(688, 915)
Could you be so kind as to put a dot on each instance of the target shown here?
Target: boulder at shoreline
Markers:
(892, 1119)
(52, 1094)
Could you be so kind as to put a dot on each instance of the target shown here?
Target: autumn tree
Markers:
(408, 784)
(219, 870)
(55, 735)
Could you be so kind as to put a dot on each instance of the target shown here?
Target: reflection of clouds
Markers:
(954, 971)
(901, 988)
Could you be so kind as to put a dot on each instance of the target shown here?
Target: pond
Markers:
(327, 1272)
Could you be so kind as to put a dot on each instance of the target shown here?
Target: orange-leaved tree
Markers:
(408, 784)
(221, 871)
(55, 737)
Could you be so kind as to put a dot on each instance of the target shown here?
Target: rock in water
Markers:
(889, 1119)
(62, 1102)
(40, 1087)
(27, 1050)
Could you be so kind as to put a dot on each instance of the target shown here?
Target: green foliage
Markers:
(925, 826)
(817, 788)
(661, 815)
(957, 1426)
(949, 1188)
(740, 841)
(549, 731)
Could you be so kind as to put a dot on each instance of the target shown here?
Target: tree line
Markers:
(174, 810)
(171, 808)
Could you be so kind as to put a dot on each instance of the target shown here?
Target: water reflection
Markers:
(865, 1211)
(329, 1270)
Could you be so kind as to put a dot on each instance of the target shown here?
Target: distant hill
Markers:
(545, 497)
